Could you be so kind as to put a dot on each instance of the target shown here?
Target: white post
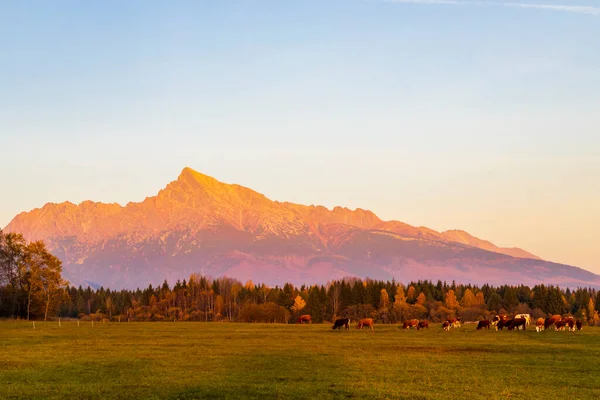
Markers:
(59, 322)
(33, 324)
(77, 322)
(92, 322)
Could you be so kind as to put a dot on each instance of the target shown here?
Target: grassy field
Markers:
(221, 360)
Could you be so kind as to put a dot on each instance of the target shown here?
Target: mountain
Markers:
(197, 224)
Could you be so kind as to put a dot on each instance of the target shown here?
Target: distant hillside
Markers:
(198, 224)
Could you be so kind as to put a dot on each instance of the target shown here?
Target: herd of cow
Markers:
(520, 321)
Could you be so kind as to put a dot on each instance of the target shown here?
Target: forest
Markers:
(31, 287)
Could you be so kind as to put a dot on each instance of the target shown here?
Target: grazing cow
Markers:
(411, 323)
(365, 322)
(446, 326)
(569, 322)
(497, 319)
(345, 322)
(539, 324)
(305, 319)
(579, 324)
(552, 321)
(423, 325)
(483, 324)
(503, 323)
(516, 323)
(455, 322)
(526, 316)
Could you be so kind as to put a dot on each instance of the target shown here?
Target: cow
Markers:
(503, 323)
(516, 323)
(559, 326)
(498, 318)
(455, 322)
(365, 322)
(305, 319)
(446, 326)
(526, 316)
(411, 323)
(552, 321)
(423, 325)
(345, 322)
(539, 324)
(579, 324)
(483, 324)
(569, 322)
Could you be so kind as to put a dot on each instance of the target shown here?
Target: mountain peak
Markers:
(188, 175)
(197, 220)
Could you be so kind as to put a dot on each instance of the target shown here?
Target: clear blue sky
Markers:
(480, 116)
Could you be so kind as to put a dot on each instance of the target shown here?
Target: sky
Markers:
(473, 115)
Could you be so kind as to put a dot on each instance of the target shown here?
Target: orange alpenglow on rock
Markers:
(197, 224)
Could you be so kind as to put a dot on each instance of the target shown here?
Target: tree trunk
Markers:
(28, 304)
(47, 306)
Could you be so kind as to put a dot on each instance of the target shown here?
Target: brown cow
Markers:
(539, 324)
(345, 322)
(446, 326)
(423, 325)
(365, 322)
(483, 324)
(552, 321)
(516, 323)
(455, 322)
(305, 319)
(411, 323)
(579, 324)
(498, 318)
(570, 322)
(503, 323)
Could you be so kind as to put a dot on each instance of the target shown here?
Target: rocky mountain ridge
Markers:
(198, 224)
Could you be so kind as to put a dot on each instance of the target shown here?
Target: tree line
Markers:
(31, 287)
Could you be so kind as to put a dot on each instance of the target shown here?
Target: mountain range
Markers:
(197, 224)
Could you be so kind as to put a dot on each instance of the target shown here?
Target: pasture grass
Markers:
(262, 361)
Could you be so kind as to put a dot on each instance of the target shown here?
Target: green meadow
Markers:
(263, 361)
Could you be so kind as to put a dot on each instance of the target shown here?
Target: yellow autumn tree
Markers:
(410, 295)
(400, 307)
(468, 299)
(479, 299)
(298, 305)
(451, 301)
(421, 298)
(384, 300)
(590, 312)
(400, 296)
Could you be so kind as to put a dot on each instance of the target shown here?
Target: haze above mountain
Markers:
(197, 224)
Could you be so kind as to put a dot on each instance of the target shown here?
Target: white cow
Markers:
(526, 316)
